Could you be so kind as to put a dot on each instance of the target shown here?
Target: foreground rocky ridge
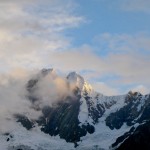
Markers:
(85, 115)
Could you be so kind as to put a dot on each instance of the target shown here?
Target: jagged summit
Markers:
(73, 75)
(51, 71)
(76, 79)
(45, 71)
(132, 93)
(79, 82)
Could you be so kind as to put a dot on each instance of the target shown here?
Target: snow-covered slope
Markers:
(79, 118)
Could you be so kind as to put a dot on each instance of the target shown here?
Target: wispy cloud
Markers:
(124, 43)
(105, 89)
(32, 29)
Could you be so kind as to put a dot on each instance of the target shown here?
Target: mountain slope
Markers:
(79, 118)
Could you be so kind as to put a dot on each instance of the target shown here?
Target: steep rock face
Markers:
(28, 124)
(139, 139)
(64, 118)
(121, 139)
(95, 111)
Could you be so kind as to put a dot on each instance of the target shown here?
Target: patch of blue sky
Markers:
(101, 18)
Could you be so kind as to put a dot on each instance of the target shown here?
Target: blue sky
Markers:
(107, 16)
(108, 42)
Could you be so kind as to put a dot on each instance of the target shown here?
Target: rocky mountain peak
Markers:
(85, 117)
(76, 80)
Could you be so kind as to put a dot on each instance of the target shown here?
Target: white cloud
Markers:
(76, 59)
(50, 89)
(105, 89)
(125, 43)
(132, 68)
(12, 93)
(126, 56)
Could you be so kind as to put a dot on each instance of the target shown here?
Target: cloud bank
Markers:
(33, 35)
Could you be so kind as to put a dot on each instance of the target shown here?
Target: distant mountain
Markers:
(83, 119)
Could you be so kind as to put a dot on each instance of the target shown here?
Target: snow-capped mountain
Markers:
(79, 118)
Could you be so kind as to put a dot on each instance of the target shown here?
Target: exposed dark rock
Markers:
(24, 121)
(64, 118)
(123, 137)
(95, 112)
(129, 114)
(145, 115)
(31, 84)
(139, 140)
